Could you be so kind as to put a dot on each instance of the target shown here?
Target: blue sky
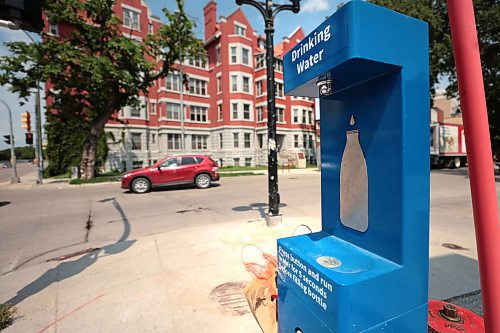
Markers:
(312, 13)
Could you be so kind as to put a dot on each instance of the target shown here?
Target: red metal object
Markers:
(479, 156)
(449, 318)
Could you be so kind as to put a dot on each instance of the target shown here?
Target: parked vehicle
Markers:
(448, 145)
(6, 165)
(199, 170)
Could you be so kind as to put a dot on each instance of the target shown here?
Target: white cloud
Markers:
(313, 6)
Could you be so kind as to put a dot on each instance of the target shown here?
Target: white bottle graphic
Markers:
(353, 184)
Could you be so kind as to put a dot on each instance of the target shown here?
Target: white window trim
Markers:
(240, 103)
(219, 76)
(219, 102)
(264, 91)
(281, 106)
(239, 82)
(239, 54)
(138, 12)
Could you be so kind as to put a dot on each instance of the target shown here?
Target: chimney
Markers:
(210, 14)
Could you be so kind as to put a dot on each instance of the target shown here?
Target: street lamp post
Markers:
(269, 11)
(14, 179)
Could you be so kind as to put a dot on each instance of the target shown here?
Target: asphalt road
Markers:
(22, 170)
(40, 223)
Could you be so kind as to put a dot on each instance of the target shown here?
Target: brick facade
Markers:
(225, 107)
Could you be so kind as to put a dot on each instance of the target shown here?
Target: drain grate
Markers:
(231, 298)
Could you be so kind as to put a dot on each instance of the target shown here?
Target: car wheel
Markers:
(203, 181)
(140, 185)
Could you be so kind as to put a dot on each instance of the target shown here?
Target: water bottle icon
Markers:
(353, 184)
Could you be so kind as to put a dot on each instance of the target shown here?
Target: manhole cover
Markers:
(231, 298)
(453, 246)
(329, 262)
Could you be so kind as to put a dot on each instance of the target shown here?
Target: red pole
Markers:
(482, 178)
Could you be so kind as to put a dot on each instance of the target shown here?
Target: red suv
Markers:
(173, 170)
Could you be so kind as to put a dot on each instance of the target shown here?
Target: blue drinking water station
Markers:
(367, 269)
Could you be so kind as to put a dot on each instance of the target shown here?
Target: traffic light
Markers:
(6, 139)
(29, 138)
(26, 120)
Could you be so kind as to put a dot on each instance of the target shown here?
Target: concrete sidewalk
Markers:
(183, 281)
(180, 281)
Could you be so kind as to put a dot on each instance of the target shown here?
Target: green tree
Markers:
(95, 70)
(441, 58)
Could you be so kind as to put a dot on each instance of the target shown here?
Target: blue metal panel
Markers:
(379, 278)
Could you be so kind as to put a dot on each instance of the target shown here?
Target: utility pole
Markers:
(269, 11)
(38, 128)
(14, 179)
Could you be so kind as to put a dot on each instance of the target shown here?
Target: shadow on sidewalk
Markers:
(451, 275)
(258, 206)
(68, 269)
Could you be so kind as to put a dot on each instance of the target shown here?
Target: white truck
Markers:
(448, 145)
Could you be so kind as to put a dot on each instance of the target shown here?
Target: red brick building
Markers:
(225, 107)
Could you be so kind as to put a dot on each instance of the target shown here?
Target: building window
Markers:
(296, 141)
(219, 84)
(197, 87)
(280, 115)
(136, 141)
(236, 140)
(150, 28)
(311, 120)
(234, 82)
(246, 84)
(53, 29)
(217, 54)
(248, 161)
(236, 161)
(311, 141)
(137, 164)
(295, 116)
(153, 108)
(173, 111)
(221, 141)
(199, 141)
(235, 111)
(199, 62)
(153, 138)
(260, 61)
(279, 90)
(135, 112)
(260, 138)
(304, 116)
(172, 82)
(219, 111)
(304, 140)
(278, 65)
(247, 140)
(244, 56)
(246, 111)
(260, 113)
(239, 30)
(130, 19)
(199, 114)
(234, 51)
(258, 87)
(174, 141)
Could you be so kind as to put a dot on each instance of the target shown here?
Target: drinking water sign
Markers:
(314, 47)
